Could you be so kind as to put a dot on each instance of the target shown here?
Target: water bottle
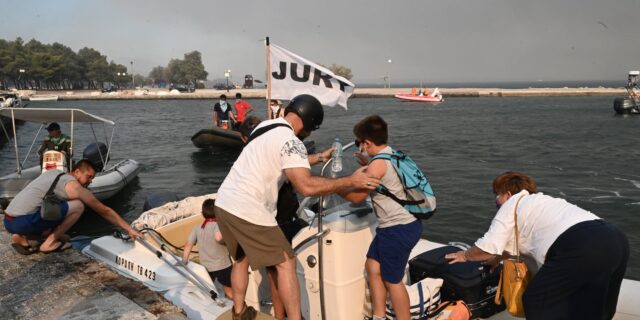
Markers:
(336, 165)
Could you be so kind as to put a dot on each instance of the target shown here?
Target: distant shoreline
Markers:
(164, 94)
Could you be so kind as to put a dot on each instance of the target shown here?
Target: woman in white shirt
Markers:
(581, 258)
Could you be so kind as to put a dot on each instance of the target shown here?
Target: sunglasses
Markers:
(357, 142)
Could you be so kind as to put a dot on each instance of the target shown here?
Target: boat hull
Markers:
(43, 98)
(349, 230)
(414, 98)
(104, 186)
(217, 138)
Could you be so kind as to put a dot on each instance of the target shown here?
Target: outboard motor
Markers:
(623, 105)
(96, 153)
(54, 160)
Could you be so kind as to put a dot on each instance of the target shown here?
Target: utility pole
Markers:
(133, 84)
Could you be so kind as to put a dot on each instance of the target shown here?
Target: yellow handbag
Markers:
(514, 278)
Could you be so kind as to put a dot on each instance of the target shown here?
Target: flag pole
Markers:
(268, 80)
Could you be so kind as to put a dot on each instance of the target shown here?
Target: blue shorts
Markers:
(391, 248)
(32, 224)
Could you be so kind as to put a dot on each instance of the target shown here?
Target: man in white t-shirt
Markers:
(246, 200)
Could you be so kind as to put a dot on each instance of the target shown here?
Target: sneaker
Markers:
(247, 313)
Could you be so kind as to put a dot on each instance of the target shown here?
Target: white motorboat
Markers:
(11, 100)
(630, 104)
(330, 251)
(43, 97)
(108, 181)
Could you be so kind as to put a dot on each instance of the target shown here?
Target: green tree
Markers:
(158, 76)
(95, 67)
(341, 71)
(188, 70)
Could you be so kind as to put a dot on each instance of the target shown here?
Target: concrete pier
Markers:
(69, 285)
(160, 93)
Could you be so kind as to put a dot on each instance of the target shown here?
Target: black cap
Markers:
(53, 126)
(309, 109)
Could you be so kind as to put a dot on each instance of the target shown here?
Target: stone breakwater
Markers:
(159, 93)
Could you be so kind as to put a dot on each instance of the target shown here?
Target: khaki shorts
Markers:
(264, 246)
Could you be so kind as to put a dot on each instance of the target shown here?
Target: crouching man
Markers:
(24, 220)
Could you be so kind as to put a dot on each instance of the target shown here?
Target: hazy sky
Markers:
(430, 41)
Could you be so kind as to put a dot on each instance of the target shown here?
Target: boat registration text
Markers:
(140, 270)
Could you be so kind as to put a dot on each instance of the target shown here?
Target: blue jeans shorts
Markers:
(391, 248)
(32, 224)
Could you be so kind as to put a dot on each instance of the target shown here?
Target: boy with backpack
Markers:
(398, 228)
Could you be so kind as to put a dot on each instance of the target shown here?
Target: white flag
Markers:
(292, 75)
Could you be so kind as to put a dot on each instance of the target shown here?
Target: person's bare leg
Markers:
(228, 292)
(288, 287)
(76, 208)
(239, 283)
(376, 288)
(278, 307)
(20, 239)
(399, 299)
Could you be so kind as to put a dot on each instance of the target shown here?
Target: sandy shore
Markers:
(159, 93)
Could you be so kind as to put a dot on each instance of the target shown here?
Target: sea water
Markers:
(573, 147)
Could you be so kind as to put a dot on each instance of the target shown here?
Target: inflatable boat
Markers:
(104, 186)
(330, 247)
(109, 180)
(434, 96)
(217, 138)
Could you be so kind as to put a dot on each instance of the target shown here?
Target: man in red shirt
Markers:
(242, 108)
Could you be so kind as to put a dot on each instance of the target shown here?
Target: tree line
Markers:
(37, 66)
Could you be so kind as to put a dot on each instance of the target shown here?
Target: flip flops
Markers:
(62, 246)
(24, 250)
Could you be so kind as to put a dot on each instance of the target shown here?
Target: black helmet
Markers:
(309, 109)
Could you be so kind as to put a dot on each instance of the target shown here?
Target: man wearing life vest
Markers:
(57, 141)
(222, 113)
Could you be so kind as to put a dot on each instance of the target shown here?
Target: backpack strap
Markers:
(258, 132)
(55, 182)
(384, 190)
